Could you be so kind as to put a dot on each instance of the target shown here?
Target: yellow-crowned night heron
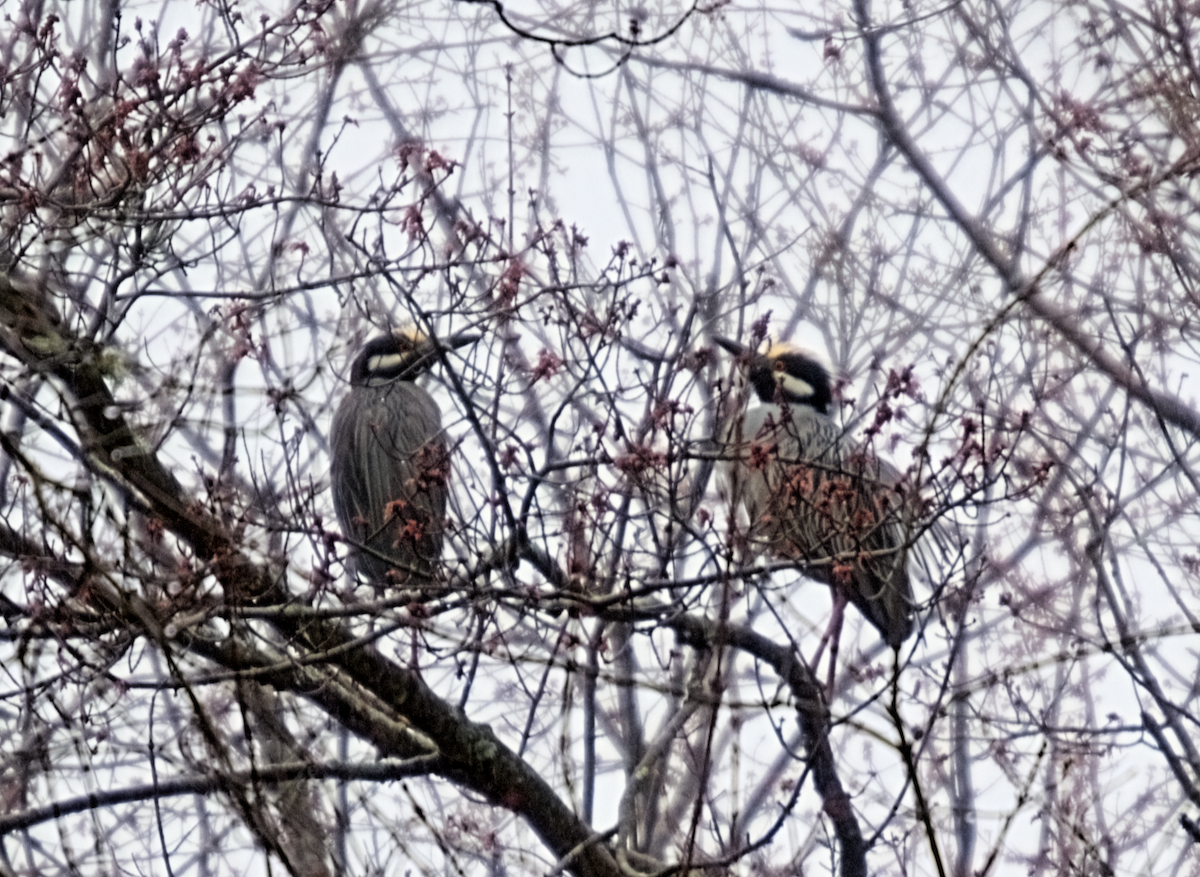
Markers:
(389, 460)
(812, 496)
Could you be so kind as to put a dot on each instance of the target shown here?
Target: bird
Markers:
(812, 495)
(389, 464)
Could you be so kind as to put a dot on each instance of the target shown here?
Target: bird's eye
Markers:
(779, 366)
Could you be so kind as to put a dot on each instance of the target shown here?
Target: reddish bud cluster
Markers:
(243, 85)
(883, 415)
(548, 365)
(1077, 115)
(758, 329)
(508, 456)
(433, 467)
(578, 239)
(412, 223)
(468, 232)
(145, 73)
(413, 531)
(175, 46)
(392, 510)
(1192, 563)
(435, 162)
(639, 459)
(409, 154)
(666, 410)
(510, 281)
(694, 360)
(761, 456)
(901, 383)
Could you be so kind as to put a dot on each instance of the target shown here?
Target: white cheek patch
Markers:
(385, 362)
(794, 385)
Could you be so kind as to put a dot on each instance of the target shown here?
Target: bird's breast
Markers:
(797, 431)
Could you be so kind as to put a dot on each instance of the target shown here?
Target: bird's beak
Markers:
(462, 339)
(732, 346)
(431, 350)
(744, 356)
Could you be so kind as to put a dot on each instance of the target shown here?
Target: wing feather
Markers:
(811, 496)
(389, 473)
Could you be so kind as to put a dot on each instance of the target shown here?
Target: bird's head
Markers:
(784, 372)
(401, 355)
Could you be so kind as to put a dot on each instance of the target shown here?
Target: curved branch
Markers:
(814, 720)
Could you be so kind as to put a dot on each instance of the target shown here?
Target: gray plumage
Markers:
(811, 495)
(390, 465)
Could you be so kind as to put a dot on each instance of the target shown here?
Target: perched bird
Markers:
(389, 460)
(811, 495)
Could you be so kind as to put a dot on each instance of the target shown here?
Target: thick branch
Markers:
(472, 755)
